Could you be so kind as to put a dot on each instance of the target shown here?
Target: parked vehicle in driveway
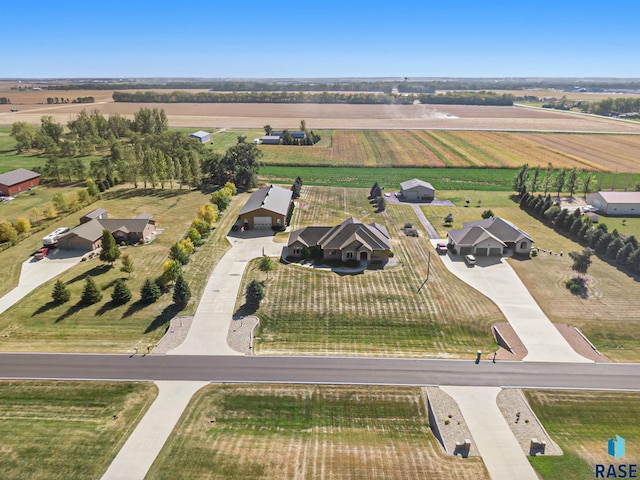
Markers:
(470, 260)
(441, 248)
(40, 254)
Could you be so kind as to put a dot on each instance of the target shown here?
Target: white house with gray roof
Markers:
(490, 237)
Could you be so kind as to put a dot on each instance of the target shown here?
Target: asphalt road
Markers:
(333, 370)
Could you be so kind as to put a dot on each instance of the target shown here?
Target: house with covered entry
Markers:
(267, 207)
(490, 237)
(350, 240)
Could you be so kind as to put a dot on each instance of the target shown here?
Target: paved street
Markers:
(345, 370)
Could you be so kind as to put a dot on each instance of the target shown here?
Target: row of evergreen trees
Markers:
(623, 251)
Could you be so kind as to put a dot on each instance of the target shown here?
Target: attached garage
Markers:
(262, 222)
(481, 252)
(495, 251)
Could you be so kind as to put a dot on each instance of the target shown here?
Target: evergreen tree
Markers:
(546, 182)
(254, 294)
(181, 292)
(61, 293)
(623, 254)
(559, 181)
(121, 293)
(535, 179)
(110, 251)
(581, 261)
(127, 264)
(571, 181)
(576, 225)
(90, 293)
(150, 292)
(177, 253)
(614, 248)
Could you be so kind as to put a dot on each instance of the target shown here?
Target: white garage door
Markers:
(262, 222)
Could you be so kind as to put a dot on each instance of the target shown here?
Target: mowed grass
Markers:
(608, 317)
(306, 431)
(63, 430)
(37, 324)
(581, 423)
(376, 313)
(37, 197)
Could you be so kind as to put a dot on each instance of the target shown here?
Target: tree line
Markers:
(621, 250)
(457, 98)
(554, 180)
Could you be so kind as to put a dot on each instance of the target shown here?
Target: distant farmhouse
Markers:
(616, 203)
(276, 137)
(202, 137)
(417, 190)
(17, 181)
(88, 235)
(266, 208)
(351, 240)
(490, 237)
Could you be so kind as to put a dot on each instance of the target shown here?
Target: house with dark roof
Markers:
(417, 190)
(351, 240)
(267, 207)
(490, 237)
(17, 181)
(88, 235)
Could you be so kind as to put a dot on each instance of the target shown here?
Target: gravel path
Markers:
(240, 334)
(442, 408)
(523, 422)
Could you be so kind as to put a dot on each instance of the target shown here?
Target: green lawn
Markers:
(581, 423)
(37, 324)
(379, 312)
(306, 431)
(64, 430)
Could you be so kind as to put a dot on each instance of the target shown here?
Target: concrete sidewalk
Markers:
(495, 278)
(210, 326)
(143, 445)
(34, 273)
(500, 451)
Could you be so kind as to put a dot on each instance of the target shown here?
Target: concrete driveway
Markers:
(34, 273)
(210, 326)
(495, 278)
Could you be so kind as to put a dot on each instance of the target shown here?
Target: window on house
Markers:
(523, 245)
(279, 221)
(349, 254)
(297, 251)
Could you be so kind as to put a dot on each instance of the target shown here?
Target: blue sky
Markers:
(282, 39)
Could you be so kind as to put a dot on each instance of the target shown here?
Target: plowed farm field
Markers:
(305, 432)
(379, 312)
(456, 148)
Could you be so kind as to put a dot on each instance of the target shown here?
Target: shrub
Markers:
(195, 237)
(202, 227)
(488, 214)
(254, 294)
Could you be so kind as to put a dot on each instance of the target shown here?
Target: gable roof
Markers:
(414, 182)
(199, 134)
(373, 236)
(95, 213)
(93, 229)
(472, 236)
(498, 228)
(17, 176)
(620, 197)
(272, 198)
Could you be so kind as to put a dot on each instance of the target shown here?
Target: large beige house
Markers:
(490, 237)
(351, 240)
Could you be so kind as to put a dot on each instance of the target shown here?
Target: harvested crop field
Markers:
(306, 431)
(377, 313)
(326, 116)
(461, 148)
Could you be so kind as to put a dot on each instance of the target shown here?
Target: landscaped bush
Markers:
(577, 285)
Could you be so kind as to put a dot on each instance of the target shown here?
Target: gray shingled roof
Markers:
(17, 176)
(374, 236)
(471, 236)
(414, 182)
(272, 198)
(95, 213)
(308, 236)
(93, 229)
(501, 228)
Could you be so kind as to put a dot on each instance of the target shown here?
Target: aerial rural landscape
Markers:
(361, 258)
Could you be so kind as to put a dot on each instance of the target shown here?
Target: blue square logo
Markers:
(615, 447)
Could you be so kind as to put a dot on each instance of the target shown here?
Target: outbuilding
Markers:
(417, 190)
(17, 181)
(201, 136)
(616, 203)
(266, 208)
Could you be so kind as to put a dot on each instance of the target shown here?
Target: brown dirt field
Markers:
(322, 116)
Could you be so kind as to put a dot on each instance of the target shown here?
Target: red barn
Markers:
(17, 181)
